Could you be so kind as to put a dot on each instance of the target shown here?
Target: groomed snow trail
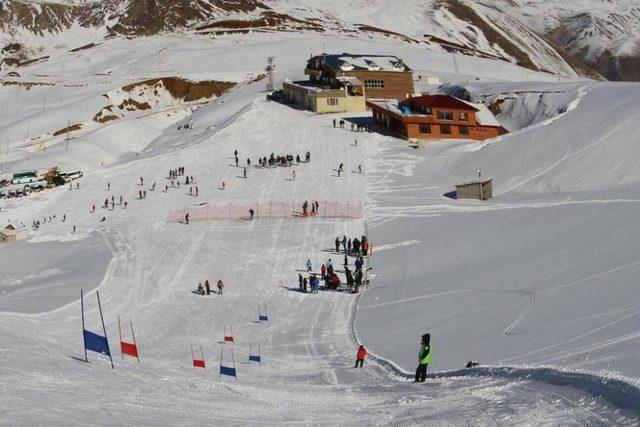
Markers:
(307, 375)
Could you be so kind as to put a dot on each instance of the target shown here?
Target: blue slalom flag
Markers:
(95, 342)
(263, 318)
(254, 358)
(227, 370)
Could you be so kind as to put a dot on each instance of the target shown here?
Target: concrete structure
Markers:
(479, 189)
(349, 96)
(12, 234)
(383, 76)
(427, 117)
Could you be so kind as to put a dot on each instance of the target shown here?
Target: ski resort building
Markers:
(348, 96)
(425, 117)
(383, 76)
(11, 234)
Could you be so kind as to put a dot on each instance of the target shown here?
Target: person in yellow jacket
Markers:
(424, 358)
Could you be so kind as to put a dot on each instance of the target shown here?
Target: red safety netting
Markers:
(268, 210)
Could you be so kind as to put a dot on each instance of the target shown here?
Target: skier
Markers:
(362, 353)
(337, 244)
(314, 284)
(153, 187)
(108, 186)
(186, 218)
(300, 282)
(220, 286)
(344, 243)
(207, 286)
(141, 181)
(236, 161)
(329, 267)
(334, 122)
(248, 162)
(309, 265)
(120, 200)
(125, 205)
(191, 191)
(304, 208)
(355, 142)
(251, 213)
(323, 270)
(340, 168)
(349, 245)
(200, 289)
(74, 229)
(346, 261)
(196, 191)
(360, 168)
(424, 358)
(365, 248)
(304, 285)
(93, 208)
(235, 153)
(293, 175)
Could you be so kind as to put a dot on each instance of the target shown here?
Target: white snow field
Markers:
(528, 283)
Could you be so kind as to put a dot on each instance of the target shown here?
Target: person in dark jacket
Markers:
(337, 244)
(424, 358)
(362, 353)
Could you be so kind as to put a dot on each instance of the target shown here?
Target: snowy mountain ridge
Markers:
(548, 36)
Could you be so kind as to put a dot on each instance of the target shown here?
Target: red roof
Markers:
(440, 101)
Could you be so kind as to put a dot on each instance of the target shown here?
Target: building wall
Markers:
(344, 103)
(409, 126)
(472, 191)
(396, 84)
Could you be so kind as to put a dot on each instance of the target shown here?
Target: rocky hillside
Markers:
(541, 35)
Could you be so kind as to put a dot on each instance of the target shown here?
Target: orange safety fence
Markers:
(266, 210)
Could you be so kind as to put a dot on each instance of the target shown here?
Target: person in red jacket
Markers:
(362, 353)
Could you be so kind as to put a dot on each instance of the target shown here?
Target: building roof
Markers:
(348, 62)
(484, 116)
(442, 101)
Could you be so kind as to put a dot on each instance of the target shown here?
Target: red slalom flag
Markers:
(129, 349)
(198, 363)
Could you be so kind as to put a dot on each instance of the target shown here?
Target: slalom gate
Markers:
(267, 210)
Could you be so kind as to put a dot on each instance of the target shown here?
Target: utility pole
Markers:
(270, 74)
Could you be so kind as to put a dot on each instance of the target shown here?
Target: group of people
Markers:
(175, 173)
(284, 160)
(206, 290)
(353, 246)
(424, 358)
(315, 208)
(354, 126)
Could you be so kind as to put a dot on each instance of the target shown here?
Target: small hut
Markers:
(11, 234)
(480, 189)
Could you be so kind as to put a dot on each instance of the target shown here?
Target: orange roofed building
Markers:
(425, 117)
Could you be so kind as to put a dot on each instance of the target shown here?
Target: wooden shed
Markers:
(479, 189)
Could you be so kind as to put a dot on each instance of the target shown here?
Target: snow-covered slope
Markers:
(533, 281)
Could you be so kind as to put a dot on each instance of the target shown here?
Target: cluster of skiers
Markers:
(206, 290)
(353, 246)
(284, 160)
(175, 173)
(354, 126)
(315, 208)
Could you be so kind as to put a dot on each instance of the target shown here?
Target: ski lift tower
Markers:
(270, 75)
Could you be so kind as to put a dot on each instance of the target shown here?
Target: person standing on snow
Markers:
(186, 218)
(220, 286)
(300, 282)
(337, 244)
(323, 270)
(424, 358)
(344, 243)
(362, 353)
(207, 287)
(309, 265)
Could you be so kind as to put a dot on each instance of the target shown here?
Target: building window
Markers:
(464, 117)
(445, 115)
(425, 128)
(374, 83)
(332, 102)
(445, 129)
(464, 130)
